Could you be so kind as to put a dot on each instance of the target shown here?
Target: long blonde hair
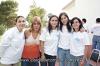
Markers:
(35, 19)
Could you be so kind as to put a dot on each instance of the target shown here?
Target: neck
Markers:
(20, 30)
(35, 32)
(53, 28)
(76, 30)
(64, 25)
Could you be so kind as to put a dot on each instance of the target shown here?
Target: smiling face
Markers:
(76, 24)
(64, 19)
(20, 23)
(54, 22)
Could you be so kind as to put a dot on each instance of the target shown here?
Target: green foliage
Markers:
(2, 29)
(36, 11)
(8, 13)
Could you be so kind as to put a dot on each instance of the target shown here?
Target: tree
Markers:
(49, 15)
(8, 12)
(36, 11)
(2, 29)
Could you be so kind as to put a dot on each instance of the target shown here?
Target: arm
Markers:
(87, 51)
(5, 42)
(88, 46)
(42, 49)
(42, 40)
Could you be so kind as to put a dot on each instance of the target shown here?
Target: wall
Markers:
(88, 9)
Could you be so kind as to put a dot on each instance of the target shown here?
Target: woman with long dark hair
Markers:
(64, 47)
(79, 44)
(49, 41)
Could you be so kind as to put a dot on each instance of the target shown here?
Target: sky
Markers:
(51, 6)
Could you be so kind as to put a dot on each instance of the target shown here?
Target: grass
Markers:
(18, 65)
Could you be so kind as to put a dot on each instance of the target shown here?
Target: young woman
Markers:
(12, 43)
(64, 47)
(31, 52)
(79, 44)
(49, 41)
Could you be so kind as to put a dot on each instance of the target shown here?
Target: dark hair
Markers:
(18, 18)
(97, 20)
(84, 20)
(68, 23)
(50, 26)
(72, 21)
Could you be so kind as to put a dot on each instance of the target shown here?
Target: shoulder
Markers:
(9, 33)
(44, 30)
(93, 26)
(85, 34)
(27, 33)
(10, 30)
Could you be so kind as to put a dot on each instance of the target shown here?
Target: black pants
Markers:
(50, 60)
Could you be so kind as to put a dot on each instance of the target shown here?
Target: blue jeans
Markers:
(29, 63)
(75, 61)
(96, 42)
(64, 57)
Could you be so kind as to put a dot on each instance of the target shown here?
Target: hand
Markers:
(42, 57)
(81, 63)
(82, 30)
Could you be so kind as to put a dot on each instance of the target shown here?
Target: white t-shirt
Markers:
(96, 29)
(85, 25)
(11, 46)
(64, 39)
(78, 42)
(50, 41)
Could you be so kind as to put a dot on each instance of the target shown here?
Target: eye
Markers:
(21, 21)
(54, 20)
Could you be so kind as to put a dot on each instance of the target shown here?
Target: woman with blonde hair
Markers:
(31, 52)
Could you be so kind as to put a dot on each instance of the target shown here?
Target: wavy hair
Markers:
(72, 21)
(35, 19)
